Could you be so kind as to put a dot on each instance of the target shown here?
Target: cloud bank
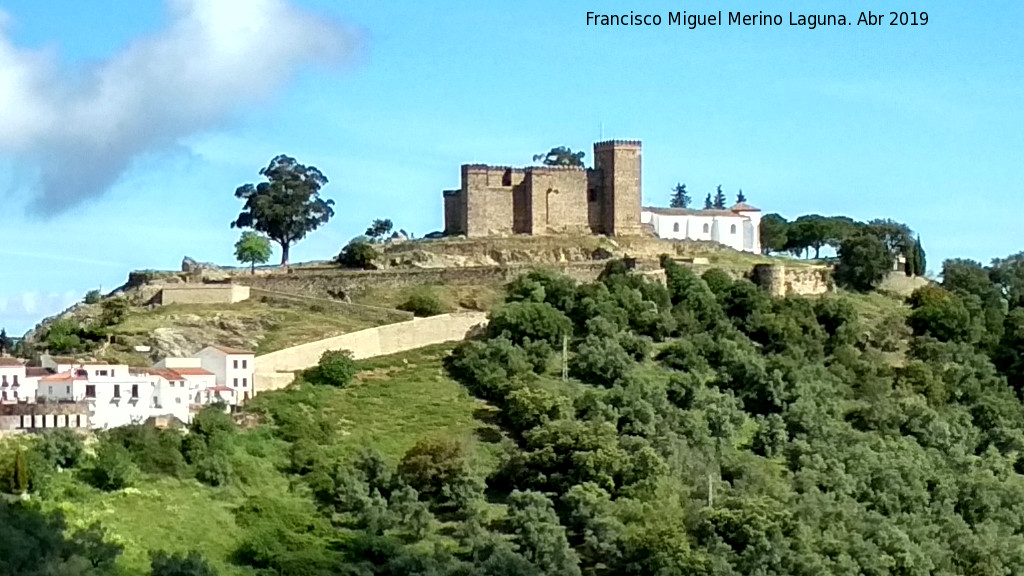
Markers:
(80, 129)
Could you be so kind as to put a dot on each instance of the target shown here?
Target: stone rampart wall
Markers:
(203, 294)
(274, 370)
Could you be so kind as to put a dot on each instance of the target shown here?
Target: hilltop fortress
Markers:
(538, 200)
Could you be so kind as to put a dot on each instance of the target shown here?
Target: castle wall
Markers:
(203, 294)
(454, 212)
(619, 163)
(488, 197)
(778, 280)
(558, 200)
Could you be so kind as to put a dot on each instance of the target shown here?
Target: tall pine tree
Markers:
(680, 199)
(719, 199)
(740, 198)
(708, 205)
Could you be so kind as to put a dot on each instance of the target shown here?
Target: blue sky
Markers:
(919, 124)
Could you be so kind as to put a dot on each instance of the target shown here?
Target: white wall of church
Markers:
(740, 232)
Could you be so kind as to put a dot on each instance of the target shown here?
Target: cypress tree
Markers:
(920, 261)
(20, 473)
(720, 199)
(708, 205)
(740, 198)
(680, 199)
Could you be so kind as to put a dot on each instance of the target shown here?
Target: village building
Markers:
(738, 227)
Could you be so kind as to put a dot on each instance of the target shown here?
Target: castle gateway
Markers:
(538, 200)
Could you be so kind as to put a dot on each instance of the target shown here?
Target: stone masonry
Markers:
(540, 200)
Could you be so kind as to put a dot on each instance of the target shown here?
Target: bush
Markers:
(718, 280)
(864, 261)
(600, 361)
(638, 347)
(488, 369)
(113, 468)
(536, 321)
(92, 297)
(336, 368)
(62, 447)
(153, 450)
(432, 464)
(359, 253)
(423, 304)
(213, 469)
(193, 564)
(546, 286)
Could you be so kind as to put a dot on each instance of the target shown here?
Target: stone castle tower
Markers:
(538, 200)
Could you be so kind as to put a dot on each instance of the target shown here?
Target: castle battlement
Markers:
(501, 200)
(617, 144)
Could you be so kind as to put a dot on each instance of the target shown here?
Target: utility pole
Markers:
(565, 358)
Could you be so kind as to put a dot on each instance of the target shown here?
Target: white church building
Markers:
(738, 227)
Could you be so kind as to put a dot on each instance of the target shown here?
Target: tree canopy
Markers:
(252, 249)
(679, 199)
(287, 206)
(379, 229)
(719, 201)
(560, 156)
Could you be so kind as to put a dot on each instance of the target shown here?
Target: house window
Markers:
(675, 227)
(15, 394)
(78, 420)
(592, 195)
(236, 363)
(112, 373)
(67, 390)
(236, 383)
(101, 372)
(117, 390)
(90, 391)
(245, 382)
(178, 400)
(732, 229)
(50, 390)
(707, 228)
(245, 364)
(3, 380)
(135, 390)
(15, 379)
(5, 395)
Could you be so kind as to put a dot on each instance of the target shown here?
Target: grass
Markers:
(264, 325)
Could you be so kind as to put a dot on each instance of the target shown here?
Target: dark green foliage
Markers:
(359, 253)
(92, 297)
(153, 450)
(944, 316)
(336, 368)
(114, 311)
(378, 229)
(423, 304)
(561, 156)
(488, 369)
(20, 475)
(719, 201)
(708, 203)
(600, 361)
(864, 261)
(62, 447)
(287, 206)
(92, 544)
(191, 564)
(432, 464)
(113, 468)
(539, 536)
(717, 280)
(533, 320)
(213, 468)
(37, 543)
(553, 288)
(816, 231)
(774, 233)
(679, 199)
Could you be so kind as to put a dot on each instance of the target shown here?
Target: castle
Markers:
(539, 200)
(497, 200)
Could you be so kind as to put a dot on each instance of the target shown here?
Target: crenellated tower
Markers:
(617, 165)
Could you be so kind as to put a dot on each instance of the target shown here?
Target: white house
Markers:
(738, 227)
(17, 382)
(233, 369)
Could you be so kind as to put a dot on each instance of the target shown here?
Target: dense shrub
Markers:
(717, 280)
(544, 286)
(359, 253)
(336, 368)
(113, 468)
(423, 303)
(864, 260)
(488, 369)
(92, 297)
(601, 361)
(533, 320)
(153, 450)
(62, 447)
(432, 464)
(177, 564)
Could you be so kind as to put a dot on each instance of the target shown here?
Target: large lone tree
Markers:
(286, 207)
(680, 199)
(561, 156)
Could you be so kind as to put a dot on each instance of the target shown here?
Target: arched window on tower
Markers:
(675, 227)
(707, 229)
(732, 229)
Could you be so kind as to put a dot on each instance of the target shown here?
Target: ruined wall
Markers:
(558, 200)
(780, 280)
(275, 370)
(454, 213)
(488, 197)
(619, 165)
(31, 416)
(203, 294)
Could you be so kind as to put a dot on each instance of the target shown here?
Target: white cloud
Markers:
(81, 128)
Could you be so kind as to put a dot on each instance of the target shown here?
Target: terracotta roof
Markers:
(690, 212)
(193, 371)
(227, 350)
(744, 207)
(166, 374)
(62, 377)
(7, 361)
